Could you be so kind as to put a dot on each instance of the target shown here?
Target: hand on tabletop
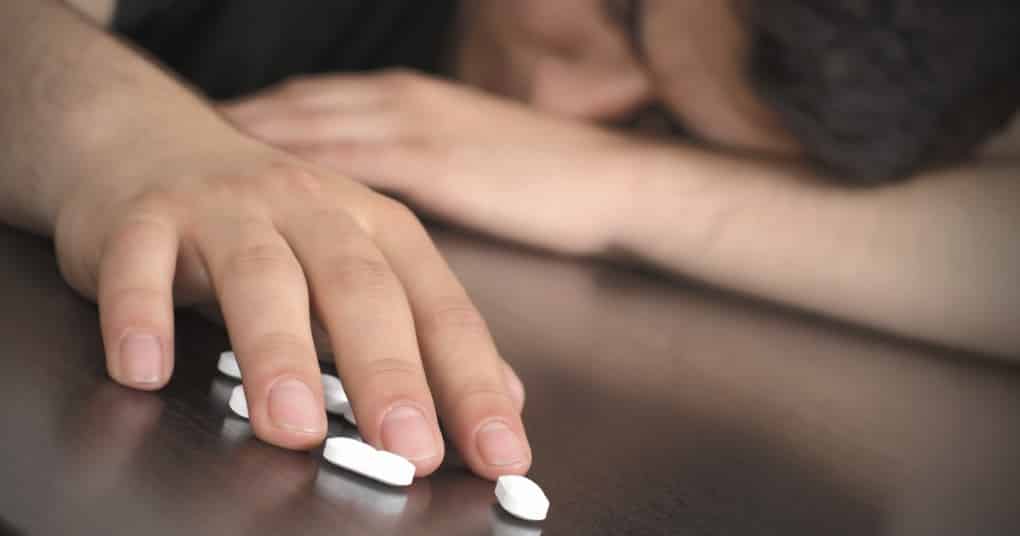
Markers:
(274, 240)
(458, 153)
(573, 187)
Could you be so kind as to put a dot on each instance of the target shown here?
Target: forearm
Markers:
(935, 258)
(76, 103)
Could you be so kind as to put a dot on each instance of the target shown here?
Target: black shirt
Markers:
(229, 48)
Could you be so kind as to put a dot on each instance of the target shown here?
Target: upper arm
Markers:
(99, 11)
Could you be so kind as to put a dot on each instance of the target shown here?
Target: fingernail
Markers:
(498, 445)
(292, 406)
(141, 359)
(406, 432)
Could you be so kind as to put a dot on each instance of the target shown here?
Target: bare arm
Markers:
(72, 97)
(936, 257)
(156, 202)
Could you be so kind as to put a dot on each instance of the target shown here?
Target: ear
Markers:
(587, 90)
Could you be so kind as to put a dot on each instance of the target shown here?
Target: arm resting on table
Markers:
(936, 257)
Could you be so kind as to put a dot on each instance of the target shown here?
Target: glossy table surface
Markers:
(654, 407)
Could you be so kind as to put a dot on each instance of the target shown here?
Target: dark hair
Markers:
(876, 90)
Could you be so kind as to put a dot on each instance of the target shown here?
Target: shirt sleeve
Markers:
(130, 16)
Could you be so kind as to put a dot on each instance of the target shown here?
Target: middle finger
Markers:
(264, 299)
(362, 304)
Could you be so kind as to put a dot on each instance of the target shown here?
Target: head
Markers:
(870, 90)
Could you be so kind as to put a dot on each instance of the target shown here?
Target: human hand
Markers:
(455, 152)
(273, 239)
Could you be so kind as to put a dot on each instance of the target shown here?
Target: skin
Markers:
(160, 206)
(202, 213)
(930, 258)
(573, 59)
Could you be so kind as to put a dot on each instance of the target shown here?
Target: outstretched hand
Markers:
(276, 241)
(455, 152)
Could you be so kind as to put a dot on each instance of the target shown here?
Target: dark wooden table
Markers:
(654, 407)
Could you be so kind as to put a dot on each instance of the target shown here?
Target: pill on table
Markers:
(228, 365)
(238, 403)
(336, 398)
(521, 497)
(365, 460)
(332, 389)
(348, 415)
(337, 402)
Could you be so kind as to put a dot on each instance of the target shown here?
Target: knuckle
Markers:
(259, 189)
(458, 316)
(133, 298)
(143, 224)
(132, 308)
(260, 259)
(272, 345)
(80, 272)
(358, 273)
(389, 371)
(155, 206)
(393, 210)
(470, 395)
(291, 178)
(396, 216)
(220, 189)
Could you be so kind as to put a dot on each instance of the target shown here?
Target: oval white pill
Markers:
(333, 388)
(228, 365)
(348, 414)
(336, 398)
(365, 460)
(521, 497)
(337, 402)
(238, 403)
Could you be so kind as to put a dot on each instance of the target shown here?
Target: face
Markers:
(608, 60)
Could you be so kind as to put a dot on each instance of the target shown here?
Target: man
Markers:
(156, 198)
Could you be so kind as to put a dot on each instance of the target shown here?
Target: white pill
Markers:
(348, 415)
(337, 402)
(228, 365)
(336, 398)
(333, 388)
(365, 460)
(521, 497)
(238, 403)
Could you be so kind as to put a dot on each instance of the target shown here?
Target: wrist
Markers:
(666, 197)
(112, 157)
